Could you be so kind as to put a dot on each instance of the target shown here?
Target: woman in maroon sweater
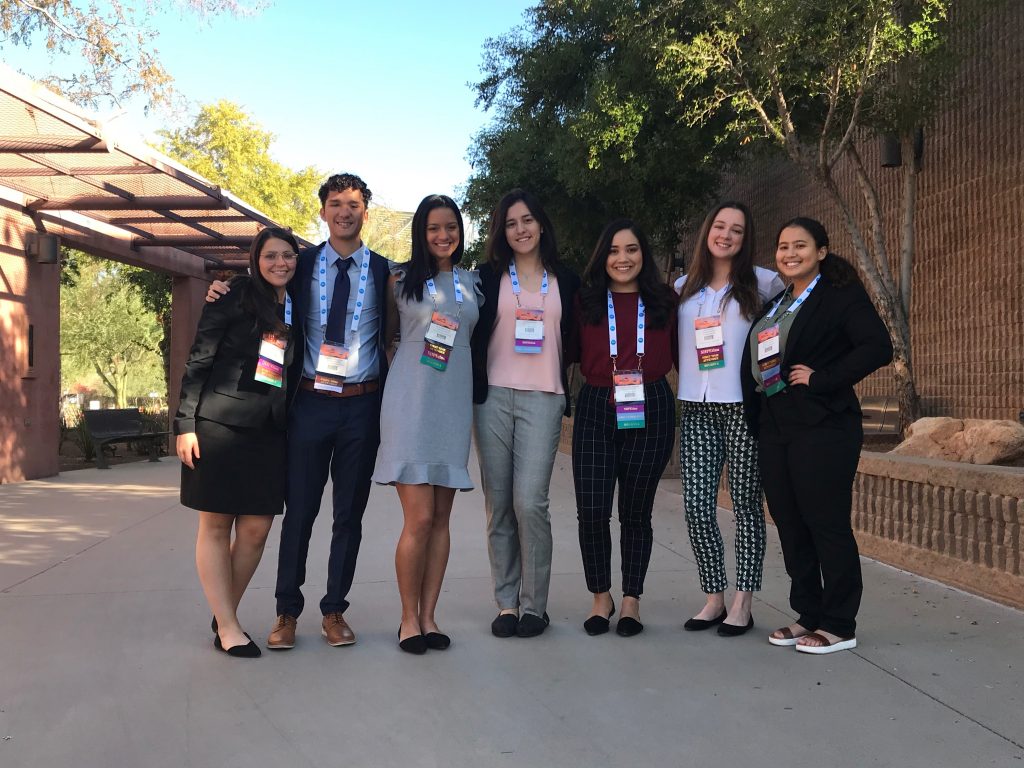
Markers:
(625, 416)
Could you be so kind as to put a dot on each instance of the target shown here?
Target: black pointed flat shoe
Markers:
(437, 641)
(696, 625)
(213, 625)
(531, 625)
(598, 625)
(628, 627)
(734, 630)
(248, 651)
(416, 645)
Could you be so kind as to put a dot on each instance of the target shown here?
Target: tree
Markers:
(583, 122)
(228, 147)
(114, 42)
(106, 327)
(389, 233)
(817, 80)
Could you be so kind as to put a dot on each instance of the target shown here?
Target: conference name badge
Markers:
(529, 331)
(710, 342)
(769, 361)
(270, 366)
(629, 399)
(331, 367)
(439, 340)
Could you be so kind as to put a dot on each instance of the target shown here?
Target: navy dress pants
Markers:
(339, 436)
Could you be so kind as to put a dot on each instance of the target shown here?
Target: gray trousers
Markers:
(517, 434)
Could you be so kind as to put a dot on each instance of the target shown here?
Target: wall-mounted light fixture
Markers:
(43, 247)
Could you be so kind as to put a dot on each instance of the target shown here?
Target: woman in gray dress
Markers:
(427, 412)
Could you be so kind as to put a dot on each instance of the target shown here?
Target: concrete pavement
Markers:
(106, 657)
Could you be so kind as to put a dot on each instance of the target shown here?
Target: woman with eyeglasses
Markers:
(230, 428)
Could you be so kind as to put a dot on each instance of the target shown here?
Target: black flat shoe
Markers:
(598, 625)
(531, 626)
(732, 630)
(696, 625)
(628, 627)
(248, 651)
(416, 645)
(505, 625)
(437, 641)
(213, 625)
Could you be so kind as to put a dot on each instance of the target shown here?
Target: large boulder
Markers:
(972, 441)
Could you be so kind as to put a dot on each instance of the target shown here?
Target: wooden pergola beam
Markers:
(51, 143)
(193, 241)
(159, 203)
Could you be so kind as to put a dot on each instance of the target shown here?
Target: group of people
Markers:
(294, 374)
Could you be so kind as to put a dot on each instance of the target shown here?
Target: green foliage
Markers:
(106, 50)
(582, 119)
(228, 147)
(807, 75)
(107, 329)
(389, 233)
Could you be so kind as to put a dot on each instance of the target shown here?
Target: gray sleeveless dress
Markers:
(426, 415)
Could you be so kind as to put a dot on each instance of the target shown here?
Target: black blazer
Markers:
(490, 282)
(839, 335)
(303, 296)
(218, 383)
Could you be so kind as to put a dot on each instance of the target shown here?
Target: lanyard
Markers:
(796, 304)
(288, 310)
(613, 342)
(458, 289)
(703, 292)
(515, 283)
(364, 269)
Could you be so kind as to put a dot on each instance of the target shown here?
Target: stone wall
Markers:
(956, 523)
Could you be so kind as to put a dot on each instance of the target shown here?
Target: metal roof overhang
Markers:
(62, 160)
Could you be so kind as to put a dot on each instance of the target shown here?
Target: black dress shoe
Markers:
(696, 625)
(628, 627)
(598, 625)
(248, 651)
(437, 641)
(733, 630)
(505, 625)
(213, 625)
(531, 626)
(416, 645)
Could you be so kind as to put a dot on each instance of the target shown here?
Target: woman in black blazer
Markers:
(520, 394)
(806, 350)
(230, 429)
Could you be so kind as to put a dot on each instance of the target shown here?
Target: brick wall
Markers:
(967, 312)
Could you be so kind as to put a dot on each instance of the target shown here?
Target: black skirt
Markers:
(241, 470)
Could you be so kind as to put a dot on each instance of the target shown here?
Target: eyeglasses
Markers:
(285, 256)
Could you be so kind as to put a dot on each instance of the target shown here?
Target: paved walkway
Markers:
(106, 657)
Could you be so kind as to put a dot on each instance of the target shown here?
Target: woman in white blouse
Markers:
(719, 295)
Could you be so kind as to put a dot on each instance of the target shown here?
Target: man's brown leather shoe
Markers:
(282, 636)
(337, 631)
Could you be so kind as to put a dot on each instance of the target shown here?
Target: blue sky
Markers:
(380, 89)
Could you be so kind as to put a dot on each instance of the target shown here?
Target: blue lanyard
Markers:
(613, 341)
(287, 310)
(700, 297)
(364, 269)
(515, 283)
(458, 289)
(796, 304)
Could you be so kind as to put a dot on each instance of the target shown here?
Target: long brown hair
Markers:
(742, 279)
(659, 298)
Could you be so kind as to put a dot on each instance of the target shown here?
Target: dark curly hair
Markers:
(340, 182)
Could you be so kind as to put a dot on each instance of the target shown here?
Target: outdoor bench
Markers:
(120, 425)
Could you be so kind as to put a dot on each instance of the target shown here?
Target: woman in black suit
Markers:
(230, 429)
(805, 351)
